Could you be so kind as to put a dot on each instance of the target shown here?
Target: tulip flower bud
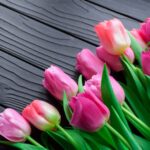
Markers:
(145, 56)
(89, 113)
(113, 36)
(42, 115)
(56, 82)
(88, 64)
(138, 37)
(144, 30)
(94, 85)
(113, 61)
(13, 126)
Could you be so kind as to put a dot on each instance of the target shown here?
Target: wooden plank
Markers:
(137, 9)
(76, 17)
(38, 44)
(20, 82)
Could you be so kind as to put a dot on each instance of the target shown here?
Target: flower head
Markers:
(13, 126)
(113, 36)
(42, 115)
(56, 82)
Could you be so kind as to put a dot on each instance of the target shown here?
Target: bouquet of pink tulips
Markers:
(102, 113)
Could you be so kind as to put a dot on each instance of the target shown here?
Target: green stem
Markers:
(141, 125)
(67, 136)
(117, 134)
(31, 140)
(6, 143)
(127, 107)
(80, 84)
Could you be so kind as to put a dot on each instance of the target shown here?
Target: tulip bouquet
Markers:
(102, 112)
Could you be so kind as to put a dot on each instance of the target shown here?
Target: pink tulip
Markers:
(145, 56)
(89, 113)
(94, 85)
(88, 64)
(13, 126)
(113, 61)
(144, 30)
(113, 36)
(138, 37)
(42, 115)
(56, 82)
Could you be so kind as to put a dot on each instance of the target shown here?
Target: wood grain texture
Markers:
(137, 9)
(76, 17)
(38, 44)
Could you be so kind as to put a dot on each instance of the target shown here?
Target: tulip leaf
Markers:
(66, 107)
(125, 132)
(109, 97)
(145, 144)
(134, 83)
(65, 144)
(22, 146)
(80, 84)
(135, 47)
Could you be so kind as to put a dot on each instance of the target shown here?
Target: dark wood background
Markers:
(37, 33)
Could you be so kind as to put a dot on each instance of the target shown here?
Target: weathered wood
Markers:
(137, 9)
(76, 17)
(38, 44)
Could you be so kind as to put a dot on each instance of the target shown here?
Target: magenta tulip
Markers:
(94, 85)
(88, 64)
(113, 36)
(56, 82)
(89, 113)
(138, 37)
(13, 126)
(113, 61)
(42, 115)
(145, 56)
(144, 30)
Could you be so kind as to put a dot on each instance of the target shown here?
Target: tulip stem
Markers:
(138, 123)
(127, 107)
(31, 140)
(67, 136)
(117, 134)
(6, 143)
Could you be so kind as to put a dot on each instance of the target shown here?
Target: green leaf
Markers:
(136, 48)
(109, 97)
(135, 104)
(134, 83)
(145, 144)
(65, 144)
(80, 84)
(66, 107)
(22, 146)
(125, 132)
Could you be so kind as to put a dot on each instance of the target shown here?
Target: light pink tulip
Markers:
(145, 56)
(56, 82)
(94, 85)
(113, 36)
(88, 64)
(113, 61)
(144, 30)
(42, 115)
(89, 113)
(13, 126)
(138, 37)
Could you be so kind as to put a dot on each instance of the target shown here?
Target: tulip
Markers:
(145, 56)
(94, 85)
(88, 64)
(113, 36)
(56, 82)
(113, 61)
(138, 37)
(144, 30)
(13, 126)
(42, 115)
(89, 113)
